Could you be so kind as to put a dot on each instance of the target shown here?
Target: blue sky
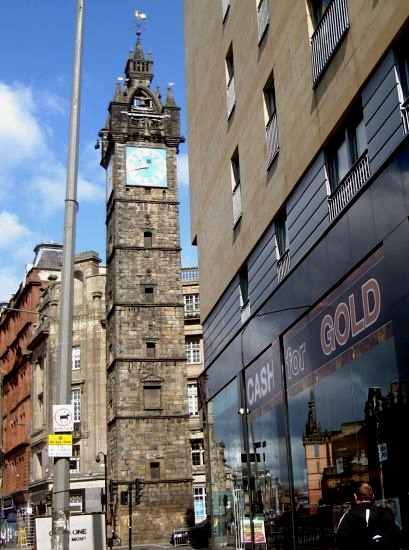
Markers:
(37, 49)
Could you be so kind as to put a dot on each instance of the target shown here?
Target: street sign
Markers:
(60, 439)
(60, 445)
(63, 418)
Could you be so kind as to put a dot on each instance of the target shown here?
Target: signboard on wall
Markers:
(263, 380)
(344, 319)
(87, 532)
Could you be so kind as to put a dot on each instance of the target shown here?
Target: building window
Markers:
(76, 358)
(346, 149)
(403, 64)
(152, 397)
(192, 348)
(155, 471)
(244, 286)
(199, 502)
(197, 453)
(271, 125)
(262, 18)
(150, 350)
(147, 239)
(76, 401)
(75, 459)
(77, 502)
(225, 8)
(192, 400)
(231, 93)
(148, 295)
(403, 74)
(318, 8)
(192, 304)
(236, 188)
(281, 233)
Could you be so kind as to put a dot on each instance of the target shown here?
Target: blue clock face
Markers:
(146, 166)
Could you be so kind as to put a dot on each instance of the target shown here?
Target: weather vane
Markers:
(140, 17)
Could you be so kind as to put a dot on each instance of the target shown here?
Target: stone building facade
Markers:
(194, 363)
(29, 351)
(88, 389)
(148, 419)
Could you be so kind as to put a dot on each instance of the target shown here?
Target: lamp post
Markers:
(61, 471)
(105, 500)
(39, 313)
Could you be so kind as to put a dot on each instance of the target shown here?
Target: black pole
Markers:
(130, 515)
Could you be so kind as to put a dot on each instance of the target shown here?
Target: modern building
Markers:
(298, 125)
(148, 416)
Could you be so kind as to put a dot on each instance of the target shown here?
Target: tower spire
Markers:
(138, 69)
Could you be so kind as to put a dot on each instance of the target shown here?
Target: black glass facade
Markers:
(317, 398)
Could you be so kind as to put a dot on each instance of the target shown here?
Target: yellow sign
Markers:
(60, 439)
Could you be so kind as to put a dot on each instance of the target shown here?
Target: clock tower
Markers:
(147, 407)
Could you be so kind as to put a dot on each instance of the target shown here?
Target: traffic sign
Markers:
(60, 445)
(60, 439)
(63, 418)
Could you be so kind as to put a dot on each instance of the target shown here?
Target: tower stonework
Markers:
(147, 409)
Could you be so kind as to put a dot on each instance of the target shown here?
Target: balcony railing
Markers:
(328, 35)
(262, 18)
(272, 138)
(349, 187)
(231, 96)
(283, 266)
(237, 211)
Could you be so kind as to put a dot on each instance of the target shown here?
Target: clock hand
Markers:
(140, 167)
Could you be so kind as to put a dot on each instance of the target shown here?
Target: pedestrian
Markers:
(110, 535)
(3, 537)
(367, 526)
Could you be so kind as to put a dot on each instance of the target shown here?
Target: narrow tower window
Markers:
(147, 239)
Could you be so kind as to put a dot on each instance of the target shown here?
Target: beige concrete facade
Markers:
(307, 115)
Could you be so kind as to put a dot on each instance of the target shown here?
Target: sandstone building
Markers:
(298, 131)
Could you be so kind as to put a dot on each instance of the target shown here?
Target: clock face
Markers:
(146, 166)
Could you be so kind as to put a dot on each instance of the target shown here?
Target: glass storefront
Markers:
(324, 406)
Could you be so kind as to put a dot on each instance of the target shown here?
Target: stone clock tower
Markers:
(148, 421)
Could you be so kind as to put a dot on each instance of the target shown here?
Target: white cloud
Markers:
(89, 191)
(12, 231)
(48, 185)
(21, 136)
(9, 283)
(54, 102)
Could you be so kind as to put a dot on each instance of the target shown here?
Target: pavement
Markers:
(11, 546)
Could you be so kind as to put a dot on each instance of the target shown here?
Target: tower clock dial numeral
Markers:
(146, 166)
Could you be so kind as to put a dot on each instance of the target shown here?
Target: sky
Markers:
(37, 39)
